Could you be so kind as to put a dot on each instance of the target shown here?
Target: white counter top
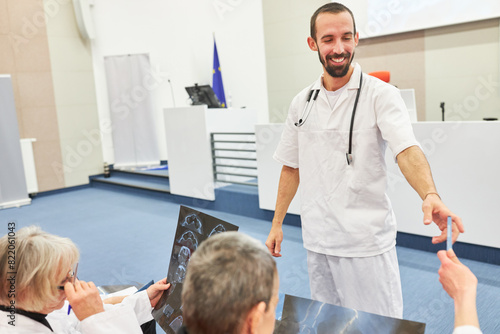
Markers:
(465, 162)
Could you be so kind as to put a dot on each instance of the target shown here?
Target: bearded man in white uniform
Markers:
(348, 225)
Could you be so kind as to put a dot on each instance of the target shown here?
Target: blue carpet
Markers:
(126, 239)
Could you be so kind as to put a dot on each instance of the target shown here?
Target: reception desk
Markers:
(465, 163)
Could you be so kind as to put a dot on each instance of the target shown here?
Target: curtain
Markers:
(130, 85)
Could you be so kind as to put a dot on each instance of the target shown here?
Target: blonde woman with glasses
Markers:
(38, 273)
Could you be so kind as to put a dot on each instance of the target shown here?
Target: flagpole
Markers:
(217, 84)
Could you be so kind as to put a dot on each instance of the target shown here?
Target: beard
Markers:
(333, 70)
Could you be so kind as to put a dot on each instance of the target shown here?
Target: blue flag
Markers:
(217, 85)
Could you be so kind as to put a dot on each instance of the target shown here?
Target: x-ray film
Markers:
(193, 227)
(301, 315)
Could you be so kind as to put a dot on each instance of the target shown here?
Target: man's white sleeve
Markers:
(287, 152)
(125, 317)
(393, 120)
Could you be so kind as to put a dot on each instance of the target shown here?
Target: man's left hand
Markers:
(435, 211)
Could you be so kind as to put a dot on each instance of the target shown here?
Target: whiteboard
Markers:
(12, 181)
(385, 17)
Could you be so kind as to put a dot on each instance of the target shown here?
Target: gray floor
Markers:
(125, 239)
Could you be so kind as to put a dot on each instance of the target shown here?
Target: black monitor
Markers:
(203, 94)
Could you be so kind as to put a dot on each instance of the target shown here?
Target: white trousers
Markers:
(371, 284)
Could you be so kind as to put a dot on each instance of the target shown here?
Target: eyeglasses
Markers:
(70, 278)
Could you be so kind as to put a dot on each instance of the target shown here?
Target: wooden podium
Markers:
(188, 145)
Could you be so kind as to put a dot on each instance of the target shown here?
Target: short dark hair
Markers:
(333, 8)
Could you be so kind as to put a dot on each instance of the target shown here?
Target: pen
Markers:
(448, 236)
(72, 280)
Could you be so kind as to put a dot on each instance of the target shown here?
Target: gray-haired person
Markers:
(38, 273)
(231, 287)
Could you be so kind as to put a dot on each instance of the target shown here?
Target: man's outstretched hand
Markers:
(435, 211)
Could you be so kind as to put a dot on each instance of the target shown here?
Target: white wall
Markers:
(75, 99)
(469, 89)
(178, 37)
(385, 17)
(291, 65)
(441, 67)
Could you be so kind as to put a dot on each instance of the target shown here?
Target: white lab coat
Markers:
(345, 210)
(370, 284)
(125, 318)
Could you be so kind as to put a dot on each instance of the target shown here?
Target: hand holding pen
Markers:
(84, 298)
(70, 279)
(435, 211)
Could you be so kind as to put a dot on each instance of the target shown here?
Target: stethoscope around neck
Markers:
(311, 98)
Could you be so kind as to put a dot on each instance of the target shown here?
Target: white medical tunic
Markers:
(345, 210)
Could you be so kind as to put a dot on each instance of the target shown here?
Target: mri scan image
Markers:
(189, 240)
(306, 316)
(176, 323)
(168, 310)
(183, 256)
(180, 274)
(193, 222)
(193, 227)
(217, 229)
